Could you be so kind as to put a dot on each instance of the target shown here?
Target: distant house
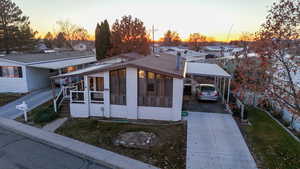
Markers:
(133, 87)
(80, 47)
(83, 45)
(22, 73)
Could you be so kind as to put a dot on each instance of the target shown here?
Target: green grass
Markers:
(273, 147)
(8, 97)
(169, 153)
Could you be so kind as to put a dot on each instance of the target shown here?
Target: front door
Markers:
(96, 96)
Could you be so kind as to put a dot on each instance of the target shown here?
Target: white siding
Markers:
(155, 113)
(118, 111)
(37, 78)
(132, 93)
(97, 110)
(79, 110)
(132, 110)
(177, 99)
(14, 85)
(161, 113)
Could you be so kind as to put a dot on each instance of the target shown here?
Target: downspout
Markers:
(87, 94)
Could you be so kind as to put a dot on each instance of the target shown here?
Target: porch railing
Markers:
(64, 93)
(96, 97)
(80, 97)
(77, 97)
(58, 100)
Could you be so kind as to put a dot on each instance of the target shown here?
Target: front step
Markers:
(65, 107)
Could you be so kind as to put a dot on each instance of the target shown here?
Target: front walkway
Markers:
(33, 100)
(51, 127)
(214, 141)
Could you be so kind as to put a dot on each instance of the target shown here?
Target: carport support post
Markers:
(224, 86)
(228, 92)
(215, 81)
(60, 80)
(219, 86)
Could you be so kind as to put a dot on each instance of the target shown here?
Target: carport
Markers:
(221, 77)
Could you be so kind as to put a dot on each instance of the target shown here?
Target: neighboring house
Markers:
(130, 86)
(80, 47)
(22, 73)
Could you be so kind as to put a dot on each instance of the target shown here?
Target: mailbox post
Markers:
(23, 107)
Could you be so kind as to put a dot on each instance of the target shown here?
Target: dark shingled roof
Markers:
(163, 64)
(46, 57)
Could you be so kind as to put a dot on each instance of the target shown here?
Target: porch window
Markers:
(118, 87)
(154, 89)
(11, 71)
(96, 89)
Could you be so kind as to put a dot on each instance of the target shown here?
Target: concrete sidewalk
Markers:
(214, 141)
(51, 127)
(83, 150)
(33, 100)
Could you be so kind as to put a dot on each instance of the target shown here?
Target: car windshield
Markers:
(207, 88)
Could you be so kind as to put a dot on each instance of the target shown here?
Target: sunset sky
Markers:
(209, 17)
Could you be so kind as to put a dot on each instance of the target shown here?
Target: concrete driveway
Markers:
(192, 104)
(214, 141)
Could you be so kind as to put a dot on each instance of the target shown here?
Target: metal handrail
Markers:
(60, 94)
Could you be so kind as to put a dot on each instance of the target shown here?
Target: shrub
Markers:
(44, 115)
(277, 115)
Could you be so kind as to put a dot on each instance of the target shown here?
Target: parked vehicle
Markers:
(207, 92)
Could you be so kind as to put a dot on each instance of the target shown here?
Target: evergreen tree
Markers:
(97, 41)
(102, 40)
(60, 40)
(15, 31)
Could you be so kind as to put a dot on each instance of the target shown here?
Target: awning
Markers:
(206, 69)
(64, 63)
(82, 71)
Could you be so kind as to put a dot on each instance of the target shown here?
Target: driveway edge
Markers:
(93, 153)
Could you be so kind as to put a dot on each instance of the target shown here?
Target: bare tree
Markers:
(171, 38)
(195, 39)
(129, 35)
(245, 40)
(81, 34)
(275, 68)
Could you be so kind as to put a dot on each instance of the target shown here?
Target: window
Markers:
(11, 71)
(154, 89)
(69, 69)
(118, 87)
(96, 83)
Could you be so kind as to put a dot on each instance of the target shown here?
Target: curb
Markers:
(281, 125)
(77, 148)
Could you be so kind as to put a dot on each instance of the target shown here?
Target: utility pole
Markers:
(153, 40)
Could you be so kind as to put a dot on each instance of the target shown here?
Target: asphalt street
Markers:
(19, 152)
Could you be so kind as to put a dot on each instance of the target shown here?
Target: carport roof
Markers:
(206, 69)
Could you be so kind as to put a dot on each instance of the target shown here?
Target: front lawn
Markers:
(8, 97)
(169, 153)
(272, 146)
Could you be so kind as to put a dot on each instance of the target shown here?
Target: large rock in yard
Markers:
(141, 140)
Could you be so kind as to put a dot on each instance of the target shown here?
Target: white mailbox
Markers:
(23, 107)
